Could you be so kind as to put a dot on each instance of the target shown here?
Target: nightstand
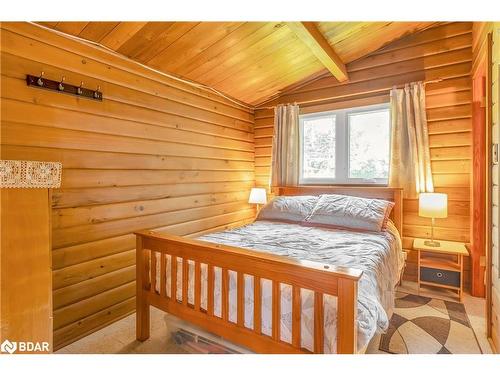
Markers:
(442, 266)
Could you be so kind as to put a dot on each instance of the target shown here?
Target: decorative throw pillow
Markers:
(351, 212)
(288, 208)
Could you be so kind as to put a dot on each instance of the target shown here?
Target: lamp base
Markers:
(432, 243)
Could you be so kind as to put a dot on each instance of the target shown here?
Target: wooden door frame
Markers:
(481, 177)
(489, 143)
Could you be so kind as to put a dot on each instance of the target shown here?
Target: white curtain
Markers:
(285, 152)
(410, 166)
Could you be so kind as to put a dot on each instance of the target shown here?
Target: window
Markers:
(348, 146)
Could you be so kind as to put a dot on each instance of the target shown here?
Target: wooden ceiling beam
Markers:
(312, 37)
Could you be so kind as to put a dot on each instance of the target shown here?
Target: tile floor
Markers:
(119, 337)
(475, 308)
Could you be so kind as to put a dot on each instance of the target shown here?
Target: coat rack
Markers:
(61, 86)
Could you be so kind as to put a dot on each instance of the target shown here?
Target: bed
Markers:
(273, 283)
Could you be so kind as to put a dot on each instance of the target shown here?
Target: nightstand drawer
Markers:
(444, 277)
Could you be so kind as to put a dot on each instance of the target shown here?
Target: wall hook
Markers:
(96, 92)
(61, 86)
(79, 90)
(39, 82)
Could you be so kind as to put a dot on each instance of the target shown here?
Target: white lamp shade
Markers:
(258, 196)
(433, 205)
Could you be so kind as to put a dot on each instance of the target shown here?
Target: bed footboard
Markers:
(321, 279)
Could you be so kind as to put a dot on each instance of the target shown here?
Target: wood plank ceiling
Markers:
(249, 61)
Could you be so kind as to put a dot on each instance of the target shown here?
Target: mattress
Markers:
(378, 254)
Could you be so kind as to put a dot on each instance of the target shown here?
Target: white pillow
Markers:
(350, 212)
(288, 208)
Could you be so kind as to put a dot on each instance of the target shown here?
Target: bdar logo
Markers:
(8, 347)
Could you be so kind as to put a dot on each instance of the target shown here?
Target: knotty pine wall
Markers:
(156, 153)
(442, 52)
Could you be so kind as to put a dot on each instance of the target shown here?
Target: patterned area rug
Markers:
(423, 325)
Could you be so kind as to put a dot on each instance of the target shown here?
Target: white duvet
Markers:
(377, 254)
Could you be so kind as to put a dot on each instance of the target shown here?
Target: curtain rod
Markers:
(318, 101)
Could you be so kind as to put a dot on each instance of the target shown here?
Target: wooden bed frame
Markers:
(320, 278)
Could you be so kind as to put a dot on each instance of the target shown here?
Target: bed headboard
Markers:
(387, 193)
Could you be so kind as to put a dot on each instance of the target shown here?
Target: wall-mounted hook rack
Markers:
(62, 87)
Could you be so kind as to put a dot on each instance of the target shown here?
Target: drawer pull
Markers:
(439, 274)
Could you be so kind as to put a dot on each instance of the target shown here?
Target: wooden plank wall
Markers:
(443, 52)
(156, 153)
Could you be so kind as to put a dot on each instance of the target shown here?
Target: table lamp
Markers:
(257, 196)
(433, 205)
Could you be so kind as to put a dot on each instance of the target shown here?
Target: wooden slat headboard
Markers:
(388, 193)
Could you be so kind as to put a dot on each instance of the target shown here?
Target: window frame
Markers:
(342, 143)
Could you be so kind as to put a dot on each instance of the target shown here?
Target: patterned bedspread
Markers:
(378, 254)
